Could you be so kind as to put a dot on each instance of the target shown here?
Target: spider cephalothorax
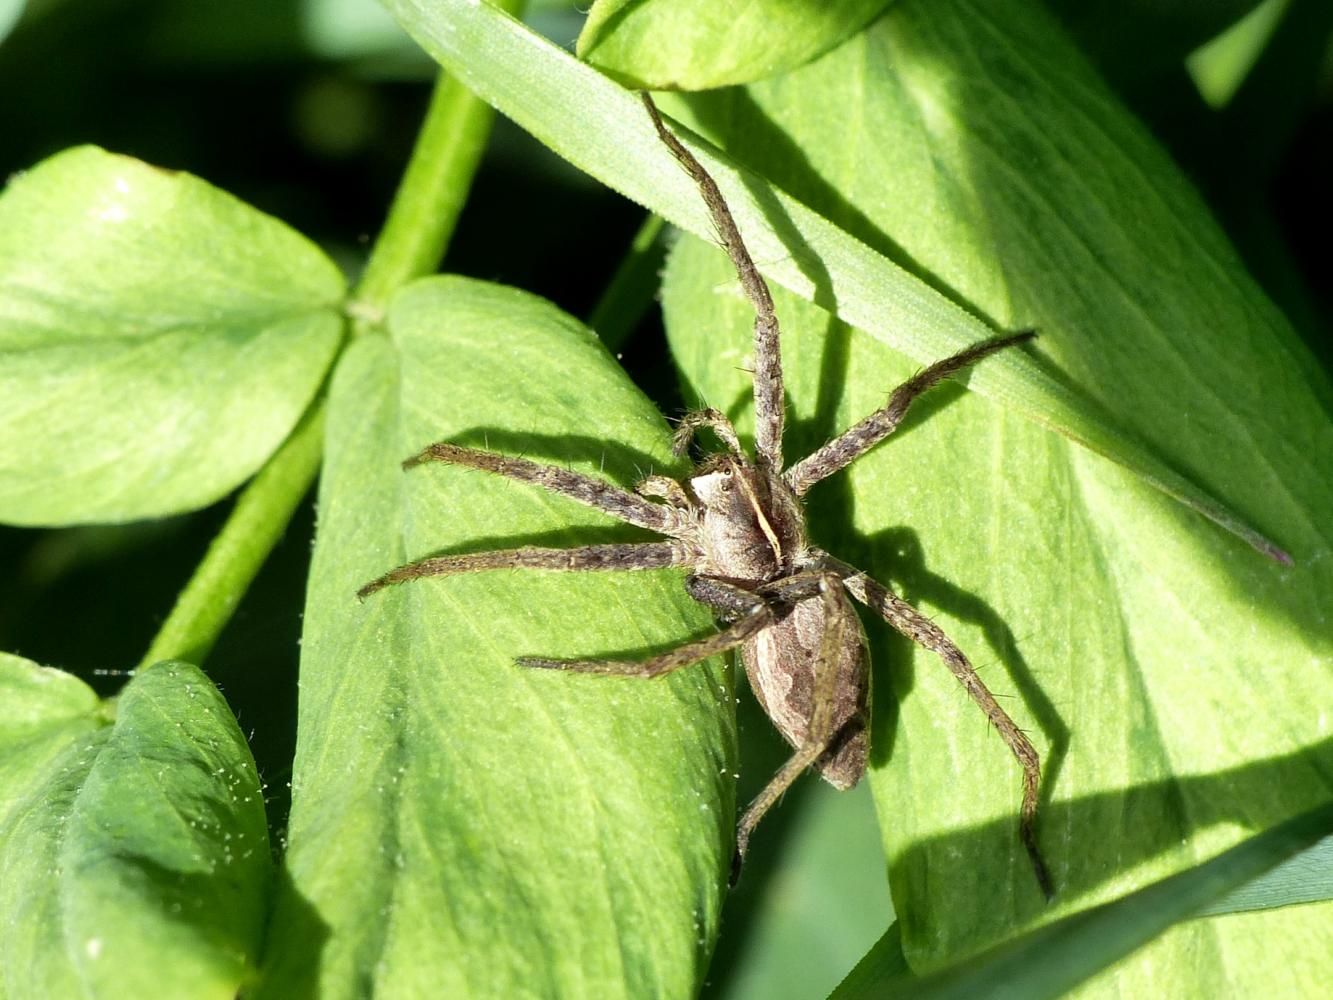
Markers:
(737, 524)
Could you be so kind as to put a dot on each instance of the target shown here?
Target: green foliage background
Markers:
(974, 148)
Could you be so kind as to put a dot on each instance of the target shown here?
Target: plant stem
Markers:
(631, 289)
(430, 197)
(256, 523)
(411, 244)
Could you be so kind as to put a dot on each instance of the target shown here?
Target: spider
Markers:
(737, 524)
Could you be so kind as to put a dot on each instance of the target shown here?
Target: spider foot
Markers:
(738, 857)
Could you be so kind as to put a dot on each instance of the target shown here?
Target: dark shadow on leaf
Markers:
(295, 942)
(898, 551)
(1240, 796)
(617, 462)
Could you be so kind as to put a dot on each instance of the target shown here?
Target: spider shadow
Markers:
(617, 463)
(900, 550)
(896, 557)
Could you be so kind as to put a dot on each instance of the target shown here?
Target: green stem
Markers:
(434, 187)
(411, 244)
(256, 523)
(631, 289)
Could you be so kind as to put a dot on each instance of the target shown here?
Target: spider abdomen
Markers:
(780, 666)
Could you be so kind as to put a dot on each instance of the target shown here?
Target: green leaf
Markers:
(882, 964)
(1167, 676)
(10, 12)
(1051, 961)
(158, 339)
(695, 44)
(134, 855)
(460, 825)
(1305, 878)
(603, 130)
(1220, 67)
(812, 896)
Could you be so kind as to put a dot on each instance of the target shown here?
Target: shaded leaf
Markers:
(460, 825)
(1305, 878)
(1166, 674)
(695, 44)
(814, 892)
(1055, 959)
(134, 853)
(882, 964)
(158, 339)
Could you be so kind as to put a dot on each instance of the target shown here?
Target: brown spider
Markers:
(739, 526)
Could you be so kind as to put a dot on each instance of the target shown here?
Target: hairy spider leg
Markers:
(925, 633)
(708, 417)
(609, 557)
(585, 489)
(664, 488)
(769, 397)
(759, 617)
(838, 617)
(858, 439)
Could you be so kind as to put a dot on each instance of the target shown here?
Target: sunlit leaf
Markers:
(134, 856)
(697, 44)
(158, 339)
(462, 826)
(10, 12)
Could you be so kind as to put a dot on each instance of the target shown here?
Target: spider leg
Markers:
(734, 597)
(758, 618)
(854, 442)
(628, 556)
(921, 630)
(585, 489)
(728, 597)
(708, 417)
(664, 488)
(768, 391)
(838, 614)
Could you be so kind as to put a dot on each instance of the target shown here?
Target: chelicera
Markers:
(736, 523)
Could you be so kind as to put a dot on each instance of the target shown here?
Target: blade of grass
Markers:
(1053, 960)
